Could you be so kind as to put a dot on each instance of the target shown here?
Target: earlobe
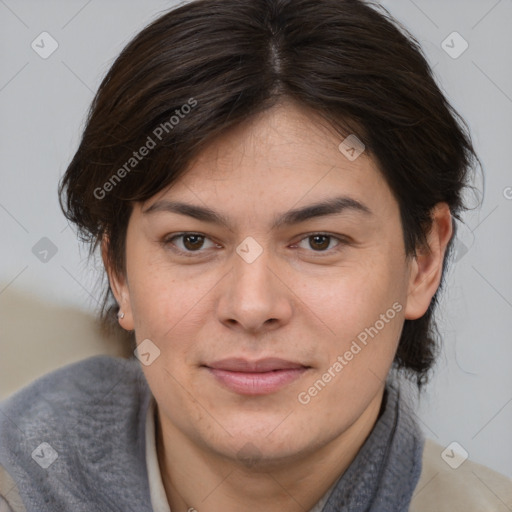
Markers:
(119, 287)
(427, 266)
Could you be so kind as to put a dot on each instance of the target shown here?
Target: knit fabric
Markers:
(386, 470)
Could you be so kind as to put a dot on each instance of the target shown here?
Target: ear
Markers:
(427, 265)
(119, 287)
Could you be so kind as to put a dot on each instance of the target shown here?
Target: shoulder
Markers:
(64, 391)
(470, 487)
(88, 375)
(83, 390)
(78, 422)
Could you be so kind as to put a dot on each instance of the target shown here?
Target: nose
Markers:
(254, 297)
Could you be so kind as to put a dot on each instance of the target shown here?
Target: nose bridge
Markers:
(251, 262)
(252, 277)
(254, 295)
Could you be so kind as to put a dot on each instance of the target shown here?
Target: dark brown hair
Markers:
(208, 65)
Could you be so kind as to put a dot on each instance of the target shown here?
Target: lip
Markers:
(260, 377)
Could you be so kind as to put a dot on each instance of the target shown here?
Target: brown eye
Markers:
(319, 242)
(189, 243)
(193, 242)
(322, 243)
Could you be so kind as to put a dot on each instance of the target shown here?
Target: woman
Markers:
(274, 188)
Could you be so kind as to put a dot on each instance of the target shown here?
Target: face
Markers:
(276, 321)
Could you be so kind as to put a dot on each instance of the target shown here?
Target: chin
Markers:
(262, 448)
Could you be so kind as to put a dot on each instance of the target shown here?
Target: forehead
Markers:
(286, 156)
(283, 136)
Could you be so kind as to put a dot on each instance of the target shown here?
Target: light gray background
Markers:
(43, 105)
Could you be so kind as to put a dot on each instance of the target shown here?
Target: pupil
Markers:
(196, 242)
(317, 241)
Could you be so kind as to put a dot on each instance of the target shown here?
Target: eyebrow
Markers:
(333, 206)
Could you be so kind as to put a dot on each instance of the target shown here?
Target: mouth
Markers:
(259, 377)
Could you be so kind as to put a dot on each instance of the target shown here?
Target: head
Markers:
(272, 179)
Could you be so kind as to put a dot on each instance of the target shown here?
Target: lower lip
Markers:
(262, 383)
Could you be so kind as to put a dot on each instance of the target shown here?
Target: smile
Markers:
(255, 378)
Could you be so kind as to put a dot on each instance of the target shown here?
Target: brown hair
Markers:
(210, 64)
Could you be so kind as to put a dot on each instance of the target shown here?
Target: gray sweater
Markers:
(74, 441)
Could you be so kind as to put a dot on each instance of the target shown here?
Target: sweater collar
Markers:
(386, 470)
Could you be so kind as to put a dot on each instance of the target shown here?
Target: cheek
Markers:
(151, 297)
(168, 302)
(363, 310)
(352, 299)
(364, 313)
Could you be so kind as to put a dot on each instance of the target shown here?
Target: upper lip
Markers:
(236, 364)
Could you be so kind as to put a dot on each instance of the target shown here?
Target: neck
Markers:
(195, 478)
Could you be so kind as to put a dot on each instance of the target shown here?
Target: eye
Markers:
(187, 243)
(320, 242)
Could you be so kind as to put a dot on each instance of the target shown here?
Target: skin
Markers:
(301, 300)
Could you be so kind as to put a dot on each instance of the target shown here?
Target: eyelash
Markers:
(168, 242)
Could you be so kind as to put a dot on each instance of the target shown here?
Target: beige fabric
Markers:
(469, 488)
(38, 337)
(10, 500)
